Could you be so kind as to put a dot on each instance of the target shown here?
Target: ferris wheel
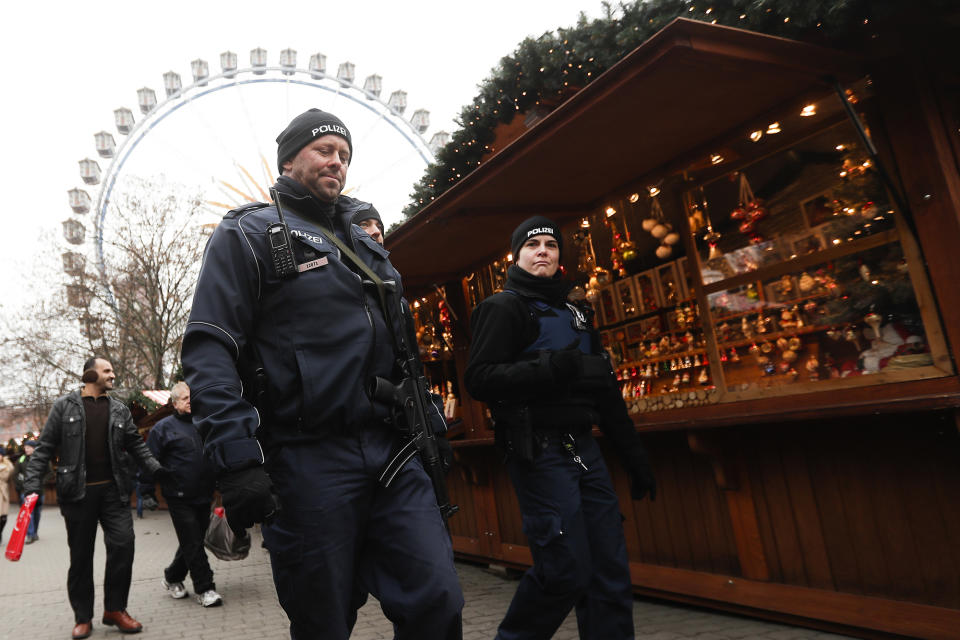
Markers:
(208, 131)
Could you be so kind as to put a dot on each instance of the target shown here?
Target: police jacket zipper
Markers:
(373, 327)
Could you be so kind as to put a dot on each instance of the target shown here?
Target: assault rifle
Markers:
(411, 397)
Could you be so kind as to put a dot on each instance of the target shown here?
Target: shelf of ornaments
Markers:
(619, 324)
(772, 336)
(661, 334)
(643, 362)
(772, 305)
(805, 262)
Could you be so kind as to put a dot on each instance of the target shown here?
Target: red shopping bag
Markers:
(19, 534)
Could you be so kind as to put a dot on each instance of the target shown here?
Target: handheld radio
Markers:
(281, 248)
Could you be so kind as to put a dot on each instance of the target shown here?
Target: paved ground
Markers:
(33, 598)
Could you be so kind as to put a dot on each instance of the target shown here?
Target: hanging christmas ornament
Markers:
(749, 212)
(671, 238)
(711, 237)
(628, 248)
(656, 224)
(616, 249)
(664, 251)
(599, 278)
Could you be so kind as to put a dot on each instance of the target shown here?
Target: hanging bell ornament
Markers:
(664, 251)
(740, 213)
(746, 227)
(592, 294)
(671, 238)
(649, 223)
(628, 250)
(660, 230)
(713, 238)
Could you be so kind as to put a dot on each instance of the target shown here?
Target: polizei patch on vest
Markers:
(313, 264)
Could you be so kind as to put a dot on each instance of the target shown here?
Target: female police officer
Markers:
(535, 360)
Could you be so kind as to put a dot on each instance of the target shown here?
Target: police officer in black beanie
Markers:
(279, 362)
(536, 361)
(369, 220)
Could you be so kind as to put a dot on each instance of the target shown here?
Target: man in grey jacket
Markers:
(94, 437)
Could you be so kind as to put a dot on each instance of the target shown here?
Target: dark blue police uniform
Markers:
(320, 337)
(571, 514)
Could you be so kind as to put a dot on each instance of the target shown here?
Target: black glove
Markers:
(642, 480)
(567, 363)
(247, 498)
(150, 502)
(163, 475)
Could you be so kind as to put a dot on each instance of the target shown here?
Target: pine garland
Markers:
(544, 71)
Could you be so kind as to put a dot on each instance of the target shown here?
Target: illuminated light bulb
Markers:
(840, 147)
(716, 158)
(509, 257)
(756, 135)
(653, 191)
(416, 304)
(809, 110)
(585, 223)
(843, 174)
(772, 128)
(836, 241)
(634, 197)
(610, 211)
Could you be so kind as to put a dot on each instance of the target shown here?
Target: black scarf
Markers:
(305, 203)
(551, 290)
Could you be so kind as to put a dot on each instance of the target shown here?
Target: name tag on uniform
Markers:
(313, 264)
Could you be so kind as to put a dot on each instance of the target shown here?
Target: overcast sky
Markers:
(68, 66)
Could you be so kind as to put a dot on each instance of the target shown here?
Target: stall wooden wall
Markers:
(846, 521)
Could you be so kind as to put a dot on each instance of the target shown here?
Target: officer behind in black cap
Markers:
(369, 220)
(279, 363)
(536, 361)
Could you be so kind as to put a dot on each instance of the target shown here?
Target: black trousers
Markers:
(101, 505)
(190, 521)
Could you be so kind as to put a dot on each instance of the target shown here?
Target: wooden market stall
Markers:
(779, 299)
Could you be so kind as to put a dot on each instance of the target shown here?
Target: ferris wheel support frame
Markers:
(181, 98)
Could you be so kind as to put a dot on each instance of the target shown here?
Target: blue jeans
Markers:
(572, 521)
(340, 535)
